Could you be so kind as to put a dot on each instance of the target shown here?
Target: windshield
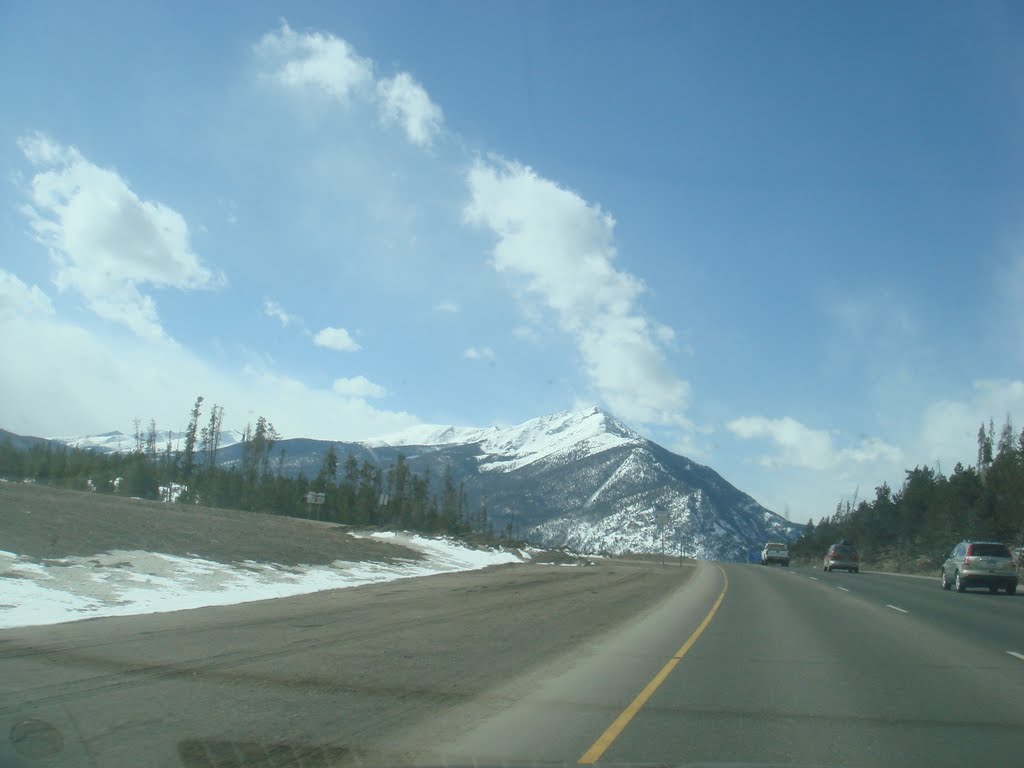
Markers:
(503, 383)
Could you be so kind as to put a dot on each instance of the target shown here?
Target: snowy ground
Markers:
(121, 583)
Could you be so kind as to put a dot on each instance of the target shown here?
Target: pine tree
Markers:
(188, 457)
(328, 468)
(984, 450)
(210, 436)
(151, 440)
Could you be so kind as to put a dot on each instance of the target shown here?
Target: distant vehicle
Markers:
(774, 552)
(980, 564)
(843, 557)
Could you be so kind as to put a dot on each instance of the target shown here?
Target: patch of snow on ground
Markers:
(123, 583)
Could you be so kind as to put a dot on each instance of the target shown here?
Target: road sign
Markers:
(661, 518)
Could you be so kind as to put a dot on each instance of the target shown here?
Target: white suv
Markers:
(775, 553)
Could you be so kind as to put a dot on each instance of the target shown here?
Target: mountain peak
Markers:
(590, 430)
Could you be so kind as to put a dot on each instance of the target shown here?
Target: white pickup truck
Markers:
(774, 552)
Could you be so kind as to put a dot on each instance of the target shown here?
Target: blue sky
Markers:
(784, 239)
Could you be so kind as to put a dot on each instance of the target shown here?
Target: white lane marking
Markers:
(813, 578)
(897, 608)
(1018, 655)
(843, 588)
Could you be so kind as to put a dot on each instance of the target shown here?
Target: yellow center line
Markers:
(600, 746)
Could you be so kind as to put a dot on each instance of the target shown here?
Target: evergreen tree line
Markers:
(917, 525)
(354, 493)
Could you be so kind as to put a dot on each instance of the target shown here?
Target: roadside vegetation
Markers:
(912, 528)
(357, 494)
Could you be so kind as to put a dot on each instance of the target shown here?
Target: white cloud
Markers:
(448, 306)
(479, 353)
(276, 311)
(336, 338)
(949, 428)
(19, 300)
(801, 446)
(315, 59)
(104, 242)
(564, 249)
(330, 64)
(358, 386)
(404, 100)
(67, 390)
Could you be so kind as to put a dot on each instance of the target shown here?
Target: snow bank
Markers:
(122, 583)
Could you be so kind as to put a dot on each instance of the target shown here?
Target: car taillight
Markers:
(856, 557)
(967, 561)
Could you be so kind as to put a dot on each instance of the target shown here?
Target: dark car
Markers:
(980, 564)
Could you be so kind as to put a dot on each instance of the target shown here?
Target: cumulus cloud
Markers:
(404, 100)
(563, 247)
(315, 59)
(479, 353)
(330, 64)
(801, 446)
(276, 311)
(336, 338)
(19, 300)
(103, 240)
(359, 386)
(449, 307)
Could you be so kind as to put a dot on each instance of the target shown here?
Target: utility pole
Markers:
(661, 519)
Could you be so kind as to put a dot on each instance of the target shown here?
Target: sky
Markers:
(783, 239)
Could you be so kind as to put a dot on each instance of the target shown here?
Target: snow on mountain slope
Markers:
(432, 434)
(579, 433)
(119, 442)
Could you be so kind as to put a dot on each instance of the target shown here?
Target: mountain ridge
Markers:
(576, 478)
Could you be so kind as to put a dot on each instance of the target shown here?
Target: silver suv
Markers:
(980, 564)
(842, 557)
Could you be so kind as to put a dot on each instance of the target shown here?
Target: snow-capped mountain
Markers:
(579, 478)
(546, 438)
(119, 442)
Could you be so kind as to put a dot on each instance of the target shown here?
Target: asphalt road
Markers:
(619, 663)
(794, 667)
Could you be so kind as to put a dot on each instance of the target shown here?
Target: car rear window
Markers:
(989, 550)
(839, 549)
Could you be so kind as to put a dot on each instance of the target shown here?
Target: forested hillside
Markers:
(915, 526)
(354, 493)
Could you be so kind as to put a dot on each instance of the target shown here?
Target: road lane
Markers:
(557, 711)
(794, 671)
(979, 620)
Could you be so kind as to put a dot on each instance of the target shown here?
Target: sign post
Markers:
(312, 498)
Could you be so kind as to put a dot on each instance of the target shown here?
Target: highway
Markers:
(805, 667)
(794, 667)
(618, 663)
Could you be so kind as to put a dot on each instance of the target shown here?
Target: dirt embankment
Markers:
(44, 523)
